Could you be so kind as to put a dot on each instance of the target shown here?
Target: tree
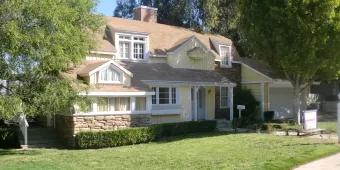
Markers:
(124, 8)
(39, 41)
(298, 38)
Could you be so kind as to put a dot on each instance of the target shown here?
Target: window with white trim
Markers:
(109, 75)
(224, 97)
(114, 104)
(164, 95)
(225, 53)
(132, 46)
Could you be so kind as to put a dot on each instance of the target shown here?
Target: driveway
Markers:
(328, 163)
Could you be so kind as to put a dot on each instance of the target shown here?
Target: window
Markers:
(164, 95)
(110, 75)
(138, 49)
(140, 103)
(225, 53)
(131, 46)
(124, 49)
(102, 104)
(154, 99)
(223, 97)
(113, 104)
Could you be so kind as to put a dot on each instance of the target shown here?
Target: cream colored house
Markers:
(143, 72)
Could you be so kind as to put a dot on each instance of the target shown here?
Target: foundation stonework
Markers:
(69, 126)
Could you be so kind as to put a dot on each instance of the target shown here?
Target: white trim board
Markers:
(115, 64)
(118, 94)
(189, 83)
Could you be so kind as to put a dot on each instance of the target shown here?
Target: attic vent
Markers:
(196, 53)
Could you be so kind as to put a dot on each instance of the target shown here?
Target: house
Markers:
(143, 72)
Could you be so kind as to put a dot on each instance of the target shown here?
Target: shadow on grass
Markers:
(191, 136)
(311, 144)
(7, 152)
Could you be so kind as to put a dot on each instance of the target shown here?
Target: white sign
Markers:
(241, 107)
(310, 119)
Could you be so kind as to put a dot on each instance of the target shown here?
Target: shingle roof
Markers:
(261, 66)
(164, 72)
(162, 37)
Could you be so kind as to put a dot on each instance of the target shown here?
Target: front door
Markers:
(201, 107)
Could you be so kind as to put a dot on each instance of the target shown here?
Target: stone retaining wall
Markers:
(68, 126)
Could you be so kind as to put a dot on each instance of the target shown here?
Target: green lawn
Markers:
(217, 151)
(330, 126)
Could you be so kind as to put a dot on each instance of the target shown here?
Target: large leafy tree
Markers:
(298, 38)
(38, 41)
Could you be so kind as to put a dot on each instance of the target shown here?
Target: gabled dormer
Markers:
(131, 46)
(108, 73)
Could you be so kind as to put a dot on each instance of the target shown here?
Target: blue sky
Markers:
(106, 7)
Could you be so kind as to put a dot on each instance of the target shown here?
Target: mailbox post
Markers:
(240, 108)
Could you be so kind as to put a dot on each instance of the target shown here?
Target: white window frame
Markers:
(170, 96)
(132, 41)
(227, 92)
(132, 110)
(229, 59)
(100, 80)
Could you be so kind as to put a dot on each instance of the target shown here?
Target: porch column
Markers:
(231, 102)
(149, 104)
(195, 103)
(133, 103)
(262, 100)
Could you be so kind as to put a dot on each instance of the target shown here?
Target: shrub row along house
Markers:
(146, 73)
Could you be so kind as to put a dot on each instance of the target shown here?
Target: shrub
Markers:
(8, 137)
(130, 136)
(251, 114)
(268, 116)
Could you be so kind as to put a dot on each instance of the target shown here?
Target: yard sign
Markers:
(310, 119)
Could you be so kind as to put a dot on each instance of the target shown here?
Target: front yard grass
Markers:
(203, 151)
(329, 126)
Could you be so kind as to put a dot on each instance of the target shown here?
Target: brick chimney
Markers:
(145, 13)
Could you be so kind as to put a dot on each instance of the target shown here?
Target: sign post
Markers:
(240, 108)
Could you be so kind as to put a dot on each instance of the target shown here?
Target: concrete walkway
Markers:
(328, 163)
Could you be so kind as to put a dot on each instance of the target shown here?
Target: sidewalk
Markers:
(328, 163)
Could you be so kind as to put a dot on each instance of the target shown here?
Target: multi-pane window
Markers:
(110, 75)
(154, 97)
(223, 97)
(124, 49)
(164, 95)
(173, 95)
(138, 51)
(131, 46)
(113, 104)
(225, 53)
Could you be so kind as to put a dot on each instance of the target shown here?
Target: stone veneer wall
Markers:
(68, 126)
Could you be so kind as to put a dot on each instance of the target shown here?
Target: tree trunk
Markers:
(297, 103)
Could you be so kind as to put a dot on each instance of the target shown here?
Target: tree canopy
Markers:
(298, 38)
(40, 40)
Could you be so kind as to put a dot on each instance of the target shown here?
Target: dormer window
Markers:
(225, 53)
(110, 75)
(132, 46)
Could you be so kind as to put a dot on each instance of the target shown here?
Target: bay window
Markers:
(132, 46)
(119, 104)
(164, 95)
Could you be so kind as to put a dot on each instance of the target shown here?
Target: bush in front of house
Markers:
(130, 136)
(251, 115)
(8, 138)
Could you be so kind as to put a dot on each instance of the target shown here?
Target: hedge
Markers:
(8, 138)
(130, 136)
